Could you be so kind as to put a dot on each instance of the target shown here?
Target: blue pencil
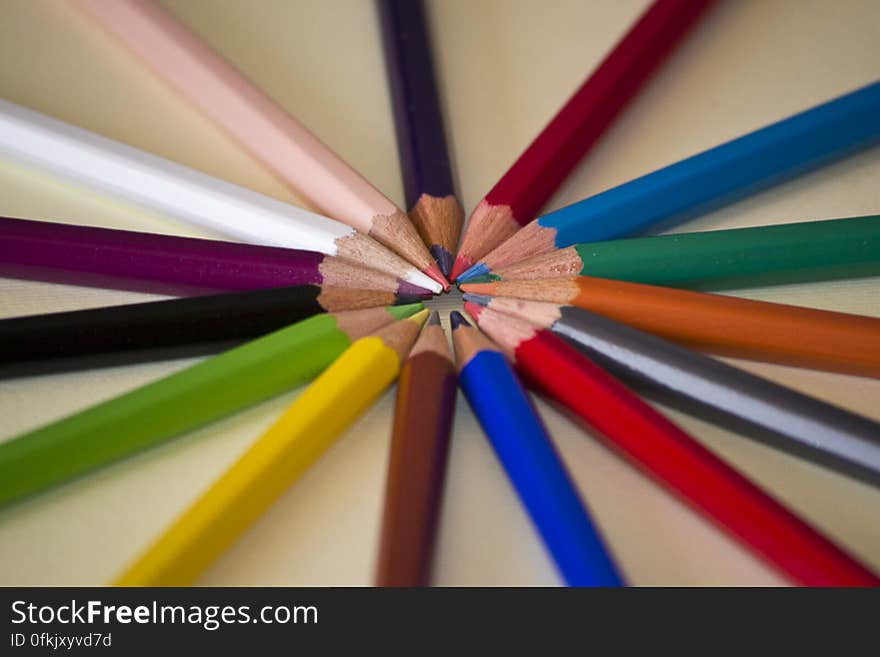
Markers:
(703, 182)
(532, 464)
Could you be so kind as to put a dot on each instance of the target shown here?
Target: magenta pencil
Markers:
(123, 259)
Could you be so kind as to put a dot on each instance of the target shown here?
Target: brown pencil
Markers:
(730, 326)
(426, 395)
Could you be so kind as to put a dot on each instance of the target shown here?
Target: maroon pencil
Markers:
(419, 444)
(527, 185)
(122, 259)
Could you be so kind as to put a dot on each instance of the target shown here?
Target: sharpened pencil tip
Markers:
(433, 271)
(420, 317)
(462, 263)
(434, 318)
(473, 310)
(456, 319)
(443, 258)
(478, 269)
(479, 299)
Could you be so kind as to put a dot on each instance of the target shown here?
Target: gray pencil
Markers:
(786, 419)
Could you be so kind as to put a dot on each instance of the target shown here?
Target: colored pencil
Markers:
(703, 182)
(728, 326)
(418, 121)
(528, 184)
(426, 393)
(673, 458)
(276, 460)
(527, 454)
(719, 259)
(134, 176)
(784, 418)
(226, 96)
(123, 259)
(164, 409)
(171, 328)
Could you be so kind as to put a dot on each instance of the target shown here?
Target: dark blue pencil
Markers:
(418, 120)
(530, 460)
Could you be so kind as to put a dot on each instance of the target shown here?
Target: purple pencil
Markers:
(122, 259)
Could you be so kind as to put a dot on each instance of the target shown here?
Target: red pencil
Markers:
(524, 189)
(670, 456)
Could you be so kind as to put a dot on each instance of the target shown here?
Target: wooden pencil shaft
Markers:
(293, 443)
(226, 96)
(169, 264)
(426, 394)
(166, 408)
(688, 469)
(729, 326)
(527, 185)
(284, 145)
(120, 171)
(720, 175)
(741, 257)
(536, 472)
(703, 182)
(793, 422)
(538, 172)
(418, 119)
(197, 321)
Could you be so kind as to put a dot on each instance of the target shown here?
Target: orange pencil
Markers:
(730, 326)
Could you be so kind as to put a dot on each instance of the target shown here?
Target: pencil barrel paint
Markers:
(427, 388)
(698, 477)
(536, 471)
(741, 257)
(741, 328)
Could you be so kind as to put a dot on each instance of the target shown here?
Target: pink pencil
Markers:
(272, 135)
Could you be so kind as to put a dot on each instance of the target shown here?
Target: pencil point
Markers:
(479, 299)
(420, 317)
(478, 269)
(461, 264)
(443, 258)
(433, 271)
(434, 318)
(473, 310)
(456, 319)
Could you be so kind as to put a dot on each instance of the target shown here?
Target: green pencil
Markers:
(183, 401)
(718, 259)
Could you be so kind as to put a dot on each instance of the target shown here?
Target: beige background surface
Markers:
(504, 68)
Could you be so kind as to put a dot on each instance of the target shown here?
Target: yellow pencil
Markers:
(302, 433)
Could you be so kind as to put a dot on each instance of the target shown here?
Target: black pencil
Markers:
(418, 121)
(171, 328)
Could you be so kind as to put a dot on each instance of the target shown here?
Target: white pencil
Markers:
(132, 175)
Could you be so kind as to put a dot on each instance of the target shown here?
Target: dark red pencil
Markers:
(527, 185)
(671, 457)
